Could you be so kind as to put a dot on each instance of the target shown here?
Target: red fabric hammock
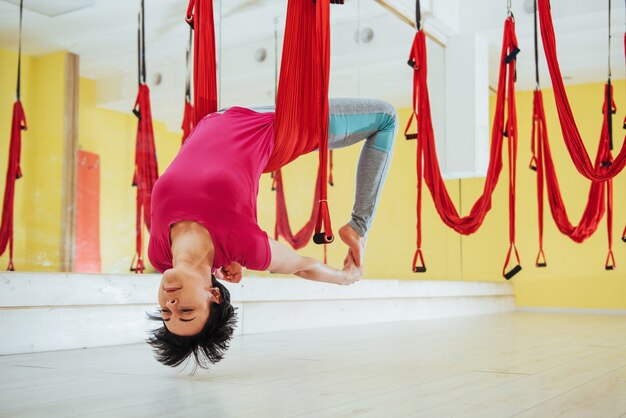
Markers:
(200, 18)
(624, 232)
(301, 121)
(542, 162)
(571, 135)
(14, 172)
(146, 169)
(427, 161)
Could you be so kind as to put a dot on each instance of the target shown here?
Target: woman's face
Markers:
(185, 297)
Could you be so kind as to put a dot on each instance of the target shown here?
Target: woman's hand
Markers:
(351, 272)
(232, 273)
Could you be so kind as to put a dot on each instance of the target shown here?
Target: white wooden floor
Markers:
(507, 365)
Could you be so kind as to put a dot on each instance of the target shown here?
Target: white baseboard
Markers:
(572, 310)
(43, 312)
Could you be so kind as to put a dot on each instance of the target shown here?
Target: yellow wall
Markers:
(575, 276)
(38, 193)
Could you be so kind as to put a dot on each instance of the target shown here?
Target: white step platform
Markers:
(43, 312)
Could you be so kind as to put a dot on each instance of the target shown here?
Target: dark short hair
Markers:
(208, 346)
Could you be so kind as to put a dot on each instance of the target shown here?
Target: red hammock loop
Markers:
(409, 136)
(571, 135)
(610, 261)
(14, 172)
(609, 220)
(540, 261)
(418, 262)
(427, 162)
(517, 268)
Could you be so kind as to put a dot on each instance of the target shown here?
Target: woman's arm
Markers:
(287, 261)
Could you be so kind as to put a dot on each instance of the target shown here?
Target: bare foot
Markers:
(355, 242)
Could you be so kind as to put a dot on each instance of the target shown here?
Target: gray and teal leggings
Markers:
(376, 122)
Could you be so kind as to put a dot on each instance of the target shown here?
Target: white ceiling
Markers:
(103, 33)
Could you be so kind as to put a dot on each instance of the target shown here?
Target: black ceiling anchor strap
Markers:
(19, 56)
(533, 160)
(139, 48)
(141, 52)
(536, 49)
(188, 67)
(143, 42)
(418, 15)
(610, 110)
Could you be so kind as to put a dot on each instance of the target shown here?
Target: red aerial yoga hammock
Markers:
(427, 162)
(188, 115)
(542, 162)
(14, 171)
(146, 170)
(301, 120)
(571, 135)
(594, 209)
(304, 73)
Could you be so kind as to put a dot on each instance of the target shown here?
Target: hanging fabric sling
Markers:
(624, 126)
(200, 18)
(542, 162)
(427, 162)
(301, 119)
(303, 19)
(571, 135)
(595, 206)
(188, 114)
(14, 172)
(146, 170)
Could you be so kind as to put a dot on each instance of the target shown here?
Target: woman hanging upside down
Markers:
(204, 220)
